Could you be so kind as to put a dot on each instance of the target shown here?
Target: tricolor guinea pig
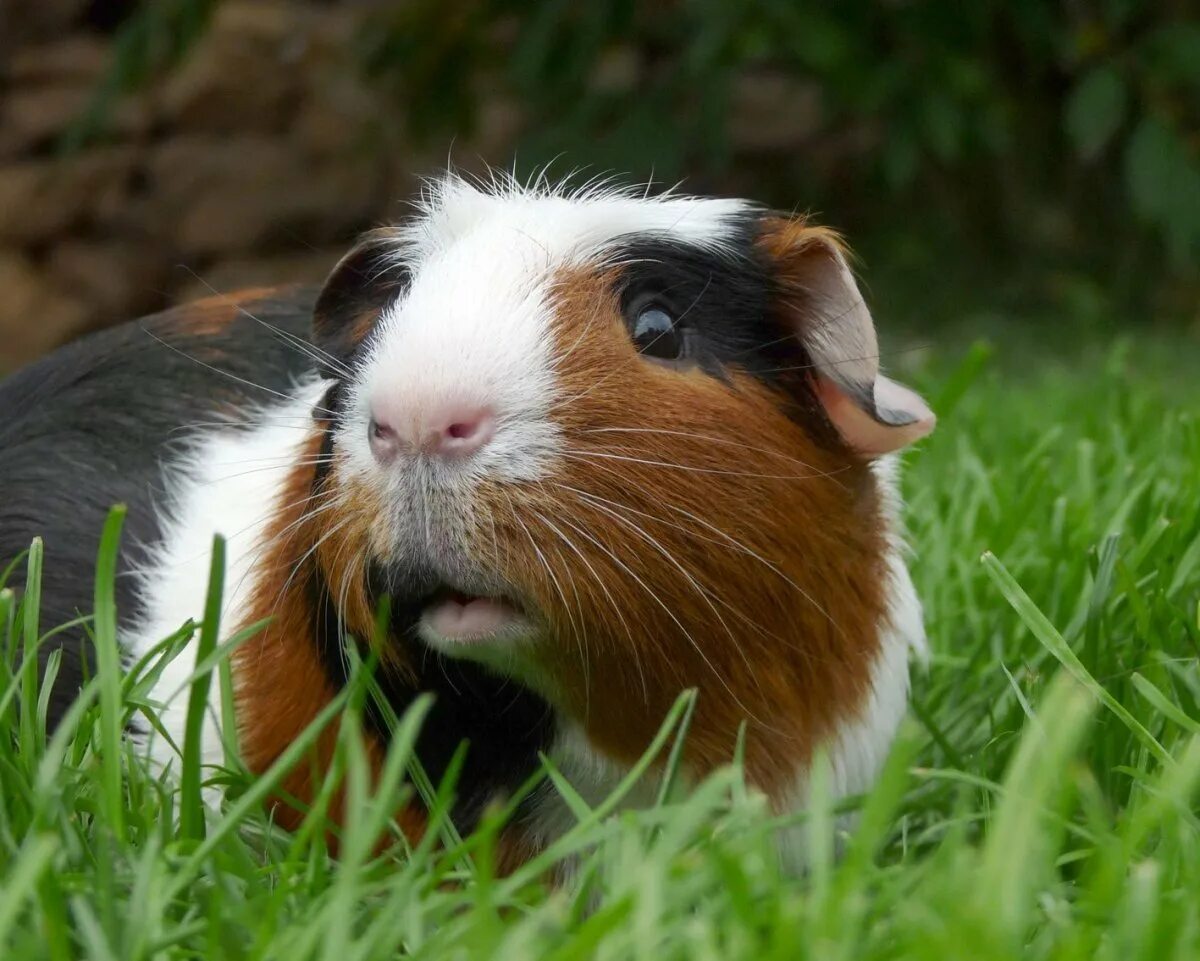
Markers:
(596, 448)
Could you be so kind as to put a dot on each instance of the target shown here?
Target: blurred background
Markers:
(996, 164)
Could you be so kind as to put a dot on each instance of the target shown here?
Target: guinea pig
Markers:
(596, 447)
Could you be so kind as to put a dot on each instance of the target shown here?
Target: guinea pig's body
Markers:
(596, 448)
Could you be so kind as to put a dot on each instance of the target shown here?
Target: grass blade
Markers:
(32, 862)
(108, 669)
(31, 740)
(1044, 631)
(191, 799)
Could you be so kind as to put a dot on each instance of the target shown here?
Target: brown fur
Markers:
(210, 316)
(725, 522)
(356, 290)
(281, 684)
(362, 325)
(784, 238)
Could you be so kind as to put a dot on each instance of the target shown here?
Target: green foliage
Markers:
(147, 44)
(1059, 140)
(1096, 109)
(1042, 803)
(1002, 105)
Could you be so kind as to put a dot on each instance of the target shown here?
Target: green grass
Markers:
(1041, 801)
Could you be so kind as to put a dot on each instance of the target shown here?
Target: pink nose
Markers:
(449, 431)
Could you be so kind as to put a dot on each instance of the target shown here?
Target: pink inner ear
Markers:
(868, 433)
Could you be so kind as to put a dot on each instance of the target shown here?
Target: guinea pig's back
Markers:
(103, 420)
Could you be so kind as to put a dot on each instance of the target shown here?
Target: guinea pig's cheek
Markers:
(365, 500)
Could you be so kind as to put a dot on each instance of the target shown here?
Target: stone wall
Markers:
(255, 161)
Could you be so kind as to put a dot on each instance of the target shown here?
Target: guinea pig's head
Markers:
(615, 446)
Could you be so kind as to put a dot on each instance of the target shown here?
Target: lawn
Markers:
(1041, 802)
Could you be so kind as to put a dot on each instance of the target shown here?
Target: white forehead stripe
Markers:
(569, 225)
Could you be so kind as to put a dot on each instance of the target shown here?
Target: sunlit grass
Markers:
(1041, 801)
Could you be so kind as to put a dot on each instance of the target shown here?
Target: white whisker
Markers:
(705, 437)
(225, 373)
(586, 454)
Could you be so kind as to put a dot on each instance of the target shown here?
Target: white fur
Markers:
(474, 327)
(860, 745)
(225, 483)
(567, 225)
(593, 776)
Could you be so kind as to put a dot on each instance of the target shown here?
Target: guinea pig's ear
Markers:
(873, 414)
(364, 281)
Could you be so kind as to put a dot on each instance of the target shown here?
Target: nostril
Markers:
(447, 430)
(383, 441)
(466, 432)
(463, 430)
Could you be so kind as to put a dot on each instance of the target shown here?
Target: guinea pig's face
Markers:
(615, 447)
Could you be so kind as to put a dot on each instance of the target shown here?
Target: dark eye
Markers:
(656, 334)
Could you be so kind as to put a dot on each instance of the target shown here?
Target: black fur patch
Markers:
(95, 423)
(505, 724)
(359, 287)
(736, 310)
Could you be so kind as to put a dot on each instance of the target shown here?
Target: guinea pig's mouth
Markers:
(450, 617)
